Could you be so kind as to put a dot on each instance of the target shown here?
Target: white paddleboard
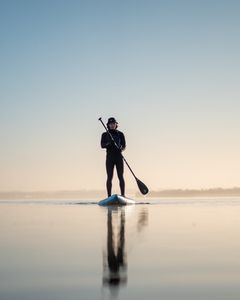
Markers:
(116, 200)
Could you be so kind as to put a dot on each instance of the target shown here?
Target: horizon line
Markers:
(130, 190)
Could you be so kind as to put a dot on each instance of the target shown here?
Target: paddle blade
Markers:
(142, 187)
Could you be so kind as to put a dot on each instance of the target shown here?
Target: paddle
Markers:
(142, 187)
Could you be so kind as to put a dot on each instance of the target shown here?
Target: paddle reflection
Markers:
(115, 257)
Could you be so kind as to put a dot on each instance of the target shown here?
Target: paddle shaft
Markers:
(100, 119)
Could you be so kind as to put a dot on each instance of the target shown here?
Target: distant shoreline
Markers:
(214, 192)
(89, 194)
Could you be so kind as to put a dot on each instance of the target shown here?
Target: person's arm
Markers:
(123, 142)
(105, 141)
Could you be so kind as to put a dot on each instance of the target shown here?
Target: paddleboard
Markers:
(116, 200)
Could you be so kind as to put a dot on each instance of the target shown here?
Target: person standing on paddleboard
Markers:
(114, 156)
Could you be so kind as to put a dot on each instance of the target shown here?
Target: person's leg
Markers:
(120, 168)
(109, 168)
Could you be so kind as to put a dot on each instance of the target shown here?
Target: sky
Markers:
(168, 71)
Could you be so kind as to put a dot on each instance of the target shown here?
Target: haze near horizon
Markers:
(167, 71)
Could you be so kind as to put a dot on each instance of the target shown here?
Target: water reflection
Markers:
(142, 219)
(115, 258)
(115, 265)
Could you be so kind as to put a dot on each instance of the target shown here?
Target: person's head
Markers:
(112, 124)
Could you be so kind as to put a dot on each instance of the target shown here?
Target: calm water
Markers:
(168, 249)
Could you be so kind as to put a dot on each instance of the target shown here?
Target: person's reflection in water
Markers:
(115, 274)
(115, 260)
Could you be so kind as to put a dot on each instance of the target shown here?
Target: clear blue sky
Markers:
(167, 70)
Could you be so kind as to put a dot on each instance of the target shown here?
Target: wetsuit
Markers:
(114, 158)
